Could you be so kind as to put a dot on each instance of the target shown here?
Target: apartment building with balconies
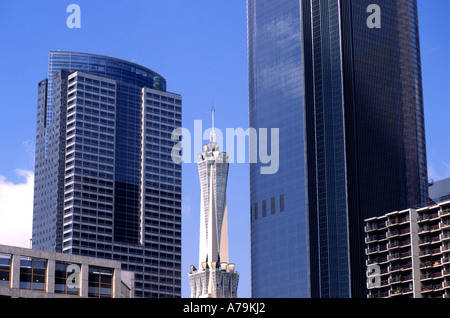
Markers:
(391, 250)
(434, 250)
(408, 253)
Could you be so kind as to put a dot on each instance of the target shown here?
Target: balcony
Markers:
(400, 291)
(429, 251)
(428, 228)
(377, 260)
(445, 235)
(398, 232)
(374, 238)
(431, 275)
(430, 264)
(429, 240)
(432, 287)
(397, 220)
(445, 224)
(428, 216)
(445, 211)
(379, 294)
(376, 249)
(375, 226)
(400, 278)
(400, 267)
(446, 247)
(398, 255)
(398, 244)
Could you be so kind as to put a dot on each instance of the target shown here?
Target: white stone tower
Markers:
(216, 277)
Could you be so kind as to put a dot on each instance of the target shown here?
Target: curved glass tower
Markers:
(347, 99)
(105, 183)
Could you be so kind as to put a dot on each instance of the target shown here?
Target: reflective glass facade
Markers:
(279, 238)
(348, 102)
(105, 184)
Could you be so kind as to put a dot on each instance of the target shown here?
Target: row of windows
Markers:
(101, 216)
(33, 276)
(159, 133)
(90, 88)
(93, 127)
(88, 204)
(90, 119)
(163, 179)
(264, 207)
(84, 187)
(163, 193)
(89, 110)
(97, 105)
(89, 141)
(90, 157)
(151, 168)
(164, 98)
(85, 179)
(87, 164)
(163, 120)
(92, 81)
(158, 259)
(156, 163)
(93, 97)
(161, 126)
(158, 155)
(161, 112)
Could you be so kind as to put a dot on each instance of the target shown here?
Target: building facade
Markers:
(105, 182)
(347, 99)
(27, 273)
(408, 253)
(215, 276)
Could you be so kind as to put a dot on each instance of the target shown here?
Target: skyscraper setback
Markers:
(105, 182)
(347, 99)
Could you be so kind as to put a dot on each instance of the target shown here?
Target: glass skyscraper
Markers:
(105, 182)
(347, 99)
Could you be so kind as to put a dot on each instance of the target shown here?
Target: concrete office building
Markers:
(346, 96)
(28, 273)
(408, 253)
(105, 182)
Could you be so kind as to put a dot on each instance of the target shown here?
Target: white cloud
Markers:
(186, 208)
(433, 174)
(16, 209)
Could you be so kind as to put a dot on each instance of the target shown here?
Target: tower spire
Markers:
(212, 115)
(213, 132)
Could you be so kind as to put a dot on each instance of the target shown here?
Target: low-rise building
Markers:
(28, 273)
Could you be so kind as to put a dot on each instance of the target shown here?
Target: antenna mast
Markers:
(213, 132)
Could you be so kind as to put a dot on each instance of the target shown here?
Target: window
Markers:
(32, 273)
(5, 270)
(272, 205)
(100, 282)
(66, 279)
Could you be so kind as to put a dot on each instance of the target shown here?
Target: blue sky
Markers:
(200, 47)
